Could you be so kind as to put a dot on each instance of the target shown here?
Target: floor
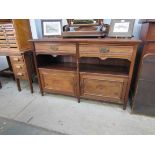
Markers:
(26, 113)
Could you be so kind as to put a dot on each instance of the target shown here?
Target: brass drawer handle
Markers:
(16, 59)
(54, 48)
(20, 74)
(19, 67)
(104, 50)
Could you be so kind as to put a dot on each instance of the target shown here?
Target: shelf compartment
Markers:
(60, 66)
(58, 62)
(104, 69)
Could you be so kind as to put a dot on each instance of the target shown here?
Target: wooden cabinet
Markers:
(103, 87)
(58, 81)
(14, 36)
(101, 68)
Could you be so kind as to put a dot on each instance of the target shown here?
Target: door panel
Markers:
(104, 88)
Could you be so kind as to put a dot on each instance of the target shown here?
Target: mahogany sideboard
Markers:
(14, 36)
(98, 69)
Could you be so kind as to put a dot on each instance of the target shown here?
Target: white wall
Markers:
(37, 32)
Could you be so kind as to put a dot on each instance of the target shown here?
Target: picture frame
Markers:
(121, 28)
(51, 28)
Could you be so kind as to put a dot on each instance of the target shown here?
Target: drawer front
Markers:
(56, 48)
(19, 67)
(100, 87)
(58, 81)
(21, 75)
(7, 37)
(105, 51)
(17, 59)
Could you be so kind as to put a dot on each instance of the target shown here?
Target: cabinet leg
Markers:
(13, 77)
(124, 106)
(42, 93)
(78, 100)
(31, 86)
(18, 84)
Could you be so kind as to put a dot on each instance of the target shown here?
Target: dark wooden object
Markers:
(143, 101)
(99, 69)
(14, 36)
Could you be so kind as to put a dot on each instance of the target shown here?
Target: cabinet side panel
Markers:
(23, 34)
(144, 31)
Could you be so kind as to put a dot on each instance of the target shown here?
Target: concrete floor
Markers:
(12, 127)
(62, 114)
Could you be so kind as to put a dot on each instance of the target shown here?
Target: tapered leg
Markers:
(18, 84)
(124, 106)
(10, 66)
(38, 75)
(78, 100)
(30, 84)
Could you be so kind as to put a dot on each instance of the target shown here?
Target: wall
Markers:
(36, 26)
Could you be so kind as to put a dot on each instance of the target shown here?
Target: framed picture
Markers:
(121, 28)
(51, 28)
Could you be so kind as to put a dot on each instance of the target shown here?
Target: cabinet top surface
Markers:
(80, 40)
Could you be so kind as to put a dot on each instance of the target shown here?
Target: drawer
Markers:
(17, 59)
(105, 51)
(19, 67)
(102, 87)
(21, 75)
(57, 81)
(66, 48)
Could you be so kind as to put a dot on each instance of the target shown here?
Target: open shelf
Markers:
(91, 65)
(60, 66)
(58, 62)
(104, 69)
(108, 66)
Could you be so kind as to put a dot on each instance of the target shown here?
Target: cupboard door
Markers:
(105, 88)
(58, 81)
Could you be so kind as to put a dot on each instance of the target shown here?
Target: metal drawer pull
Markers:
(16, 59)
(19, 67)
(104, 50)
(20, 74)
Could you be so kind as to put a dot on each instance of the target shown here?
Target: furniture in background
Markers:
(14, 36)
(144, 101)
(98, 69)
